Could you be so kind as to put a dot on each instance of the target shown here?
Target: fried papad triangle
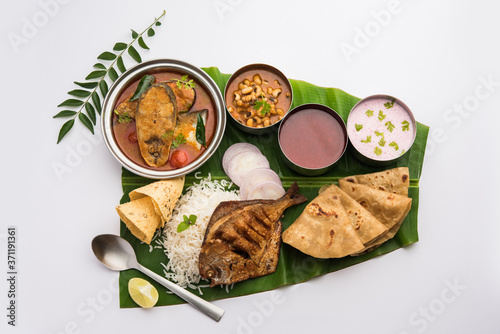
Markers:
(389, 208)
(395, 180)
(324, 229)
(140, 217)
(164, 195)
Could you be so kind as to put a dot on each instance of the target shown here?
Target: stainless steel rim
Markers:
(138, 71)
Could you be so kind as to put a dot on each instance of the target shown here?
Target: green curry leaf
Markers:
(65, 129)
(144, 84)
(86, 121)
(200, 130)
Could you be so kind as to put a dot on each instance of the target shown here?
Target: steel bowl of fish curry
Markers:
(165, 122)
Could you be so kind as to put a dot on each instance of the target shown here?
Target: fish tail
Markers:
(294, 195)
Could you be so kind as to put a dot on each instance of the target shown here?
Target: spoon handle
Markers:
(201, 304)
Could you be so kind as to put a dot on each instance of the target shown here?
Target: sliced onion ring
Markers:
(234, 150)
(255, 177)
(244, 162)
(266, 190)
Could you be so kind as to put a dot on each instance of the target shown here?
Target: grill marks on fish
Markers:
(243, 238)
(156, 118)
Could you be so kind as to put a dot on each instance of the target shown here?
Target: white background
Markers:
(435, 56)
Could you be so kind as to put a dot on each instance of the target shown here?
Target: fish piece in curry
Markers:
(156, 119)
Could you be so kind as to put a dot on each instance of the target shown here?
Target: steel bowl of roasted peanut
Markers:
(257, 97)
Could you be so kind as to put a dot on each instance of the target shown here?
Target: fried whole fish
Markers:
(155, 119)
(243, 238)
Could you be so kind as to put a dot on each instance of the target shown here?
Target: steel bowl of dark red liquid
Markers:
(312, 139)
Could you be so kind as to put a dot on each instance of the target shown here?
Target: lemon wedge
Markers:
(142, 292)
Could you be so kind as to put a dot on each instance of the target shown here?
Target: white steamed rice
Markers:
(183, 249)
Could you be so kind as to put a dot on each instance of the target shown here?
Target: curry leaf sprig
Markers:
(86, 98)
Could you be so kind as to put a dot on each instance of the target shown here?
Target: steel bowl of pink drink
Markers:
(312, 139)
(381, 129)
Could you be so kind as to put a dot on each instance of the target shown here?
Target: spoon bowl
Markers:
(116, 253)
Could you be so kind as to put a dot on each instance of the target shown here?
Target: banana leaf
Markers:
(294, 266)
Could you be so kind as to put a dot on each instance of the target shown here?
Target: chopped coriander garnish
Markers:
(389, 105)
(167, 134)
(377, 150)
(389, 126)
(186, 223)
(185, 82)
(367, 140)
(379, 133)
(266, 107)
(123, 118)
(369, 113)
(395, 145)
(358, 126)
(406, 125)
(381, 116)
(381, 142)
(180, 139)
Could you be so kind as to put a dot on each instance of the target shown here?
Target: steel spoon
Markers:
(117, 254)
